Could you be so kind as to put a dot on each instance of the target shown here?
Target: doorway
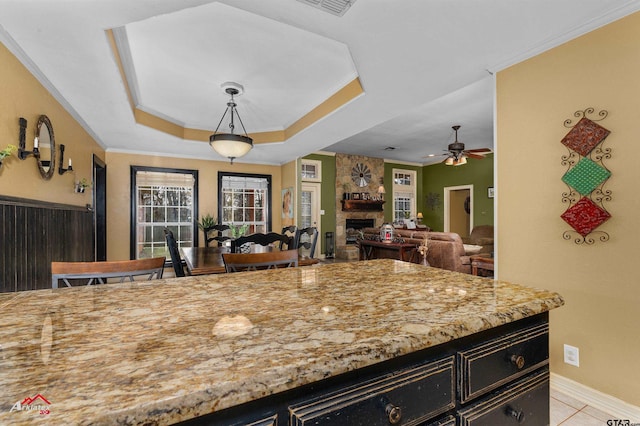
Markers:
(100, 209)
(310, 208)
(458, 209)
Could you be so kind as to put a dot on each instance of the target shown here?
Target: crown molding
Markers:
(602, 20)
(31, 66)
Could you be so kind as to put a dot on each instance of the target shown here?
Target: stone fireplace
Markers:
(345, 164)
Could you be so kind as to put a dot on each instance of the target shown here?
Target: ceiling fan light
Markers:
(449, 161)
(461, 161)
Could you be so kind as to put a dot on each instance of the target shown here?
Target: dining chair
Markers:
(262, 239)
(100, 272)
(307, 239)
(238, 262)
(218, 236)
(176, 261)
(290, 231)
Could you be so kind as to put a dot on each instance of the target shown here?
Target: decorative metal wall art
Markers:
(585, 177)
(432, 200)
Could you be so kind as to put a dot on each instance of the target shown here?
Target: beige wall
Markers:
(119, 189)
(600, 282)
(21, 95)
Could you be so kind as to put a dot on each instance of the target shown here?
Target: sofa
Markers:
(446, 249)
(481, 235)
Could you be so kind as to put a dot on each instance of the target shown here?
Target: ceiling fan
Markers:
(457, 155)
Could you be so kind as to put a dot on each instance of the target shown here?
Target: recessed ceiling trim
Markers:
(342, 97)
(154, 120)
(122, 54)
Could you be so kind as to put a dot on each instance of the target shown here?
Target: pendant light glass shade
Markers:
(231, 145)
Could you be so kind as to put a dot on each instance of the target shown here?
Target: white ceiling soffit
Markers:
(411, 55)
(175, 65)
(335, 7)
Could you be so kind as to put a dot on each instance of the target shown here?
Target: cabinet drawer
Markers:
(492, 364)
(526, 402)
(267, 421)
(447, 421)
(406, 397)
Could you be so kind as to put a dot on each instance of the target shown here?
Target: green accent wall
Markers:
(328, 197)
(431, 179)
(435, 178)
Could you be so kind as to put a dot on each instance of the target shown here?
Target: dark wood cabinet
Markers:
(496, 377)
(408, 396)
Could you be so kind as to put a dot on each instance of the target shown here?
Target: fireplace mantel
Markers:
(361, 205)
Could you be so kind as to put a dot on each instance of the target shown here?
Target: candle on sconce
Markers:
(69, 162)
(35, 142)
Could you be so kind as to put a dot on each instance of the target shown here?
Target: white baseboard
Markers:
(596, 399)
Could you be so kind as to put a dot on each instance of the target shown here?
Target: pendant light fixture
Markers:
(231, 145)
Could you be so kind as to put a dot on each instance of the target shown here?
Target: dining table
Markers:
(208, 260)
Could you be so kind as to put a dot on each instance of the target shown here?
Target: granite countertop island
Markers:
(164, 351)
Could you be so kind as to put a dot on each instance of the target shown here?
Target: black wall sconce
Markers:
(23, 154)
(62, 170)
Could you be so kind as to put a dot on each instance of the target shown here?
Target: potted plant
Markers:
(206, 222)
(346, 187)
(81, 185)
(7, 152)
(238, 230)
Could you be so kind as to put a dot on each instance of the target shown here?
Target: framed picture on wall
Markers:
(355, 195)
(490, 192)
(287, 203)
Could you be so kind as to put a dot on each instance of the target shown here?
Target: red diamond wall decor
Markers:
(585, 136)
(586, 177)
(585, 216)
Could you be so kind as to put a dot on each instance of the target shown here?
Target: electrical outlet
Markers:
(572, 355)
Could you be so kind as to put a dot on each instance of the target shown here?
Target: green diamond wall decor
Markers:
(585, 177)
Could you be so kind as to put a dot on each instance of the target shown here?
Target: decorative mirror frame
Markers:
(46, 174)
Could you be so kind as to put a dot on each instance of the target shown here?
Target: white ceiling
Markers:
(424, 65)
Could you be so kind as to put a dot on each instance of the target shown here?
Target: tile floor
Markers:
(568, 411)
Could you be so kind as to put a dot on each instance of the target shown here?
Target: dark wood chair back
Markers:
(290, 231)
(307, 240)
(238, 262)
(176, 261)
(214, 233)
(262, 239)
(99, 272)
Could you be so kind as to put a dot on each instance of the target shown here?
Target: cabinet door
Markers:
(492, 364)
(525, 402)
(408, 397)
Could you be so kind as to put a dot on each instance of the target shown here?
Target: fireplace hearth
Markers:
(352, 227)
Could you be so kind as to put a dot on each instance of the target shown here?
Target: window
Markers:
(311, 171)
(162, 198)
(245, 199)
(404, 194)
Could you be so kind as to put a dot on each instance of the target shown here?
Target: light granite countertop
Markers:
(163, 351)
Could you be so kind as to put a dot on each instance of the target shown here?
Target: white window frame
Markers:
(158, 180)
(318, 167)
(401, 190)
(241, 183)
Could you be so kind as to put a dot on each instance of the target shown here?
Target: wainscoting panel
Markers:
(35, 233)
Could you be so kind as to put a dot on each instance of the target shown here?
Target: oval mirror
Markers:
(46, 147)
